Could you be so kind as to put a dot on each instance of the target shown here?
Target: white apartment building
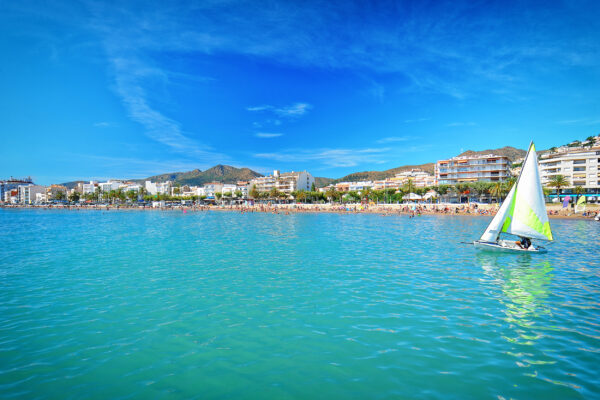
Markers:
(418, 177)
(87, 188)
(482, 168)
(359, 186)
(287, 182)
(209, 189)
(155, 188)
(27, 193)
(229, 188)
(109, 185)
(580, 166)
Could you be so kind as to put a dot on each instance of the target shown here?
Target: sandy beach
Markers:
(554, 210)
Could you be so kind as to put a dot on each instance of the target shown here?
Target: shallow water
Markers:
(216, 304)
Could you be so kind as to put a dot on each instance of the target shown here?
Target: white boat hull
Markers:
(508, 246)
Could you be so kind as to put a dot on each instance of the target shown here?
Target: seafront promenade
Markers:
(473, 209)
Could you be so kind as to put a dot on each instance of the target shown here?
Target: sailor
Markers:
(524, 243)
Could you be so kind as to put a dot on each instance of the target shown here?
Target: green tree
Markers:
(60, 195)
(578, 190)
(254, 192)
(557, 182)
(498, 190)
(312, 187)
(132, 195)
(238, 194)
(74, 196)
(408, 186)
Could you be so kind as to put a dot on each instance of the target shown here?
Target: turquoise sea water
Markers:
(208, 305)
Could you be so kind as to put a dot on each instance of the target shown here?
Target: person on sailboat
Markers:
(524, 243)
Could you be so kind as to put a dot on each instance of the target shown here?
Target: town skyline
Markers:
(99, 90)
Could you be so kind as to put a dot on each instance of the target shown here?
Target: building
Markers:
(27, 193)
(360, 186)
(418, 177)
(580, 166)
(477, 168)
(52, 191)
(287, 182)
(107, 186)
(155, 188)
(11, 186)
(87, 188)
(209, 189)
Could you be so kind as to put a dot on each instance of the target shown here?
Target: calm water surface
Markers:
(222, 305)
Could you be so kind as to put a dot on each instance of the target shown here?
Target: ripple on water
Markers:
(156, 304)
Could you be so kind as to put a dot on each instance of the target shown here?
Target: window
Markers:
(576, 162)
(579, 169)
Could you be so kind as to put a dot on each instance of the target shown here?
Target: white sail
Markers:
(527, 214)
(495, 227)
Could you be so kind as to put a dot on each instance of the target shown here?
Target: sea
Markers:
(214, 305)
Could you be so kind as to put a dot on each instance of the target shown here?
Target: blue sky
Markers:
(123, 89)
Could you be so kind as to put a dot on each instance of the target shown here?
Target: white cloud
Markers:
(267, 135)
(291, 111)
(330, 157)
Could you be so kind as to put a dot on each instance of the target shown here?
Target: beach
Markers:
(555, 211)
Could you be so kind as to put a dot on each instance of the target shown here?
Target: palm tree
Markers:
(331, 194)
(409, 186)
(74, 197)
(578, 190)
(558, 181)
(498, 190)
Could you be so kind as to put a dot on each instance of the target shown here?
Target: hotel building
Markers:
(287, 182)
(483, 168)
(418, 177)
(580, 166)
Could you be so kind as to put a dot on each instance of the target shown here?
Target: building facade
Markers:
(580, 166)
(27, 193)
(478, 168)
(418, 177)
(287, 182)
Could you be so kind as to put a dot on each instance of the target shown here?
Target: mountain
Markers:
(322, 182)
(507, 151)
(218, 173)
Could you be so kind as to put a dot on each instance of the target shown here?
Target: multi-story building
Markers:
(10, 185)
(53, 190)
(418, 177)
(87, 188)
(287, 182)
(483, 168)
(158, 187)
(359, 186)
(386, 184)
(109, 185)
(27, 193)
(580, 166)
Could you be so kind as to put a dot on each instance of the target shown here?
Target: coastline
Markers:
(555, 211)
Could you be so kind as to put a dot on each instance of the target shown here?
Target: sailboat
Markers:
(523, 213)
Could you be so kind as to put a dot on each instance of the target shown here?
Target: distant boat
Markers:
(523, 213)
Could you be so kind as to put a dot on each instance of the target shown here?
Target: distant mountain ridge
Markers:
(507, 151)
(218, 173)
(229, 174)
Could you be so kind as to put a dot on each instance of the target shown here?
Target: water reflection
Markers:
(525, 284)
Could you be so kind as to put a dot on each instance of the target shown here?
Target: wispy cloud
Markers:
(331, 157)
(267, 135)
(291, 111)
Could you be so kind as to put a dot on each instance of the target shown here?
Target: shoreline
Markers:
(472, 210)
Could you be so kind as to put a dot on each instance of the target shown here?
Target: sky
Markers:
(99, 90)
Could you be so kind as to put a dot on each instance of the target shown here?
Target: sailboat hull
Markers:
(508, 246)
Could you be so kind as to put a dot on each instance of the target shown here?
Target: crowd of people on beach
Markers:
(412, 210)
